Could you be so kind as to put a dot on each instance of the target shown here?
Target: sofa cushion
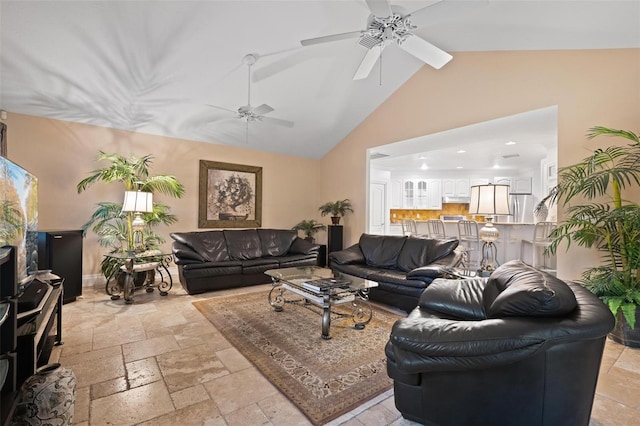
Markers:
(417, 252)
(276, 242)
(381, 250)
(243, 244)
(211, 245)
(521, 290)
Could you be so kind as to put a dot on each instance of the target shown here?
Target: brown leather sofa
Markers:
(518, 348)
(402, 266)
(213, 260)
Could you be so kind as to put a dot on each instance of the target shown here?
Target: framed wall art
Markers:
(230, 195)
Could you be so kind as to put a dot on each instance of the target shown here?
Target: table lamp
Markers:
(137, 202)
(489, 200)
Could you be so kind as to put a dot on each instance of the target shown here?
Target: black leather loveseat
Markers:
(518, 348)
(213, 260)
(402, 266)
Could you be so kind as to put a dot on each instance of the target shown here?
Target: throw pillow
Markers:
(522, 290)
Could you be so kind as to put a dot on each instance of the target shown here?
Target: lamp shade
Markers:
(138, 201)
(489, 200)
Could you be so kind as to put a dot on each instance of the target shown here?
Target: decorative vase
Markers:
(47, 398)
(623, 333)
(541, 212)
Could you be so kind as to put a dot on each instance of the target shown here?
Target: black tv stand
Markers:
(34, 337)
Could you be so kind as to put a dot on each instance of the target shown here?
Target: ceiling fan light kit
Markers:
(388, 24)
(246, 112)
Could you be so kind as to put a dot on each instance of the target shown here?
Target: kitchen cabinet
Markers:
(462, 188)
(448, 187)
(396, 193)
(434, 194)
(422, 194)
(517, 185)
(455, 188)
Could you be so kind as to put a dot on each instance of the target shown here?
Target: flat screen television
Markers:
(19, 217)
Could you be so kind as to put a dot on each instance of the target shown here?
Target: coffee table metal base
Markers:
(360, 312)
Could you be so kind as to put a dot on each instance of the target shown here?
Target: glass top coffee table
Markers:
(338, 294)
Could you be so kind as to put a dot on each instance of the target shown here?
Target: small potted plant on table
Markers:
(310, 228)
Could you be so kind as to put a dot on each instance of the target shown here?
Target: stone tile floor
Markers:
(160, 362)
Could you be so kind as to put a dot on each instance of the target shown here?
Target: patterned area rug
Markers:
(323, 378)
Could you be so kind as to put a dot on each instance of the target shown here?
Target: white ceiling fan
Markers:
(249, 113)
(388, 24)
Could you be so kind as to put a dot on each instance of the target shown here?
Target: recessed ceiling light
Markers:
(424, 166)
(461, 151)
(510, 143)
(459, 167)
(422, 158)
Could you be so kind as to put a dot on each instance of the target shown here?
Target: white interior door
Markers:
(377, 208)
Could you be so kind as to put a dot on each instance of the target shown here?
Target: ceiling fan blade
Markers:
(277, 121)
(379, 8)
(334, 37)
(425, 51)
(368, 62)
(224, 109)
(422, 9)
(262, 109)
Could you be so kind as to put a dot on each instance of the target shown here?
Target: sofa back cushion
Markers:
(243, 244)
(276, 242)
(417, 252)
(211, 245)
(381, 250)
(518, 289)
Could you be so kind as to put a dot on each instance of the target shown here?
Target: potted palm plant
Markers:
(310, 228)
(598, 215)
(336, 209)
(114, 227)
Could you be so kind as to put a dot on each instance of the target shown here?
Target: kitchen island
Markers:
(508, 245)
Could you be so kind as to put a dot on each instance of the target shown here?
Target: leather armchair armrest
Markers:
(350, 255)
(302, 246)
(183, 252)
(426, 272)
(423, 342)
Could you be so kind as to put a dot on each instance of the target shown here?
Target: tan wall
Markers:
(60, 154)
(590, 87)
(597, 87)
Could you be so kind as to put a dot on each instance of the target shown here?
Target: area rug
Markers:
(323, 378)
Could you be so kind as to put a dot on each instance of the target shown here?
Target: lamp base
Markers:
(488, 263)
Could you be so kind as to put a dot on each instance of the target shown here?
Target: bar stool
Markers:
(469, 239)
(436, 229)
(541, 240)
(409, 227)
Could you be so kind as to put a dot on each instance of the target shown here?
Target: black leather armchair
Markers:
(519, 348)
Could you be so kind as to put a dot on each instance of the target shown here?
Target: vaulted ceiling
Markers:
(155, 66)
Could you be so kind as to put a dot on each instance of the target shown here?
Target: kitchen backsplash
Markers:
(397, 215)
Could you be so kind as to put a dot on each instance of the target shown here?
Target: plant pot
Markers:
(622, 333)
(335, 220)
